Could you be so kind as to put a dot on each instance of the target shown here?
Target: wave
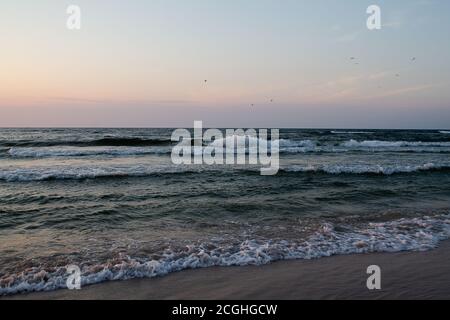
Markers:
(366, 169)
(103, 142)
(85, 172)
(310, 146)
(351, 132)
(84, 149)
(416, 234)
(141, 170)
(387, 144)
(139, 142)
(330, 149)
(255, 141)
(249, 144)
(444, 132)
(80, 152)
(49, 152)
(42, 152)
(288, 146)
(286, 143)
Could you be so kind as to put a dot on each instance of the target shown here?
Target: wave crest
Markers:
(387, 144)
(365, 169)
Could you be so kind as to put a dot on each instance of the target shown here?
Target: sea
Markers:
(111, 202)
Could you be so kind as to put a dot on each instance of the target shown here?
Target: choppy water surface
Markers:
(112, 202)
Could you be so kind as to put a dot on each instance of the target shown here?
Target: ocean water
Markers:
(112, 202)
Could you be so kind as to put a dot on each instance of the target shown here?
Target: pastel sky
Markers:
(142, 63)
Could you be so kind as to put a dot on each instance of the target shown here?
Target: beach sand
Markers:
(405, 275)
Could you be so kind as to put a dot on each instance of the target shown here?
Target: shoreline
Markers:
(404, 275)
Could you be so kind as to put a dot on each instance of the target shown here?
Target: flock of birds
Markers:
(397, 75)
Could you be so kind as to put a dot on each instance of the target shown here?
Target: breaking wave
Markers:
(85, 172)
(413, 234)
(366, 169)
(351, 132)
(384, 144)
(250, 146)
(247, 145)
(142, 170)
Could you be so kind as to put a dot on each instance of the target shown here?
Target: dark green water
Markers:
(112, 202)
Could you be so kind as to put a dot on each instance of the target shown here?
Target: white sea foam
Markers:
(365, 168)
(233, 139)
(342, 149)
(351, 132)
(285, 146)
(383, 144)
(62, 172)
(297, 143)
(89, 172)
(249, 144)
(44, 152)
(444, 132)
(309, 146)
(249, 140)
(416, 234)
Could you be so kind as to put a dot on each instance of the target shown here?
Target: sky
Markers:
(268, 63)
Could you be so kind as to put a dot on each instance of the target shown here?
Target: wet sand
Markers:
(406, 275)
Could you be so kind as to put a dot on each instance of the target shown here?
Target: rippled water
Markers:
(112, 202)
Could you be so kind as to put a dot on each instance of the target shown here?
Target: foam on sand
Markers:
(415, 234)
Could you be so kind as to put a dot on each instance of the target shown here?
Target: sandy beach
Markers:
(405, 275)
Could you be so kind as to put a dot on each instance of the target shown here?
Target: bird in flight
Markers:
(413, 59)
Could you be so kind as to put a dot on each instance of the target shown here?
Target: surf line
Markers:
(238, 147)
